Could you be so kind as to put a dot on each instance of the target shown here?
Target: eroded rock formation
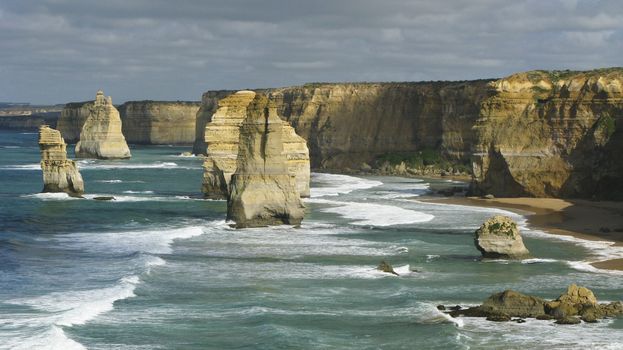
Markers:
(577, 303)
(59, 173)
(222, 139)
(101, 135)
(263, 192)
(499, 237)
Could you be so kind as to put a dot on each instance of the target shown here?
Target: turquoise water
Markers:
(160, 269)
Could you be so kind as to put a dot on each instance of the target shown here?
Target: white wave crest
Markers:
(334, 184)
(374, 214)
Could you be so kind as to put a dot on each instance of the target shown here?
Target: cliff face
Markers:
(72, 119)
(144, 122)
(536, 133)
(156, 122)
(346, 125)
(555, 134)
(209, 104)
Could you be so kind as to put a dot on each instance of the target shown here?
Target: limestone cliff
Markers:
(143, 122)
(209, 104)
(222, 140)
(72, 120)
(551, 134)
(348, 124)
(159, 122)
(59, 173)
(531, 134)
(101, 135)
(263, 192)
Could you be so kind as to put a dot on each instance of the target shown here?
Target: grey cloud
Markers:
(55, 51)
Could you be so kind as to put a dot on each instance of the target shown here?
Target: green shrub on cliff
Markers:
(418, 159)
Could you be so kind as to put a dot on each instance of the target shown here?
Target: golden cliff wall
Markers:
(531, 134)
(158, 122)
(551, 134)
(348, 124)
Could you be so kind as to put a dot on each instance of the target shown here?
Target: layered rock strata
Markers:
(551, 134)
(101, 136)
(263, 192)
(159, 122)
(222, 140)
(143, 122)
(499, 237)
(539, 133)
(59, 173)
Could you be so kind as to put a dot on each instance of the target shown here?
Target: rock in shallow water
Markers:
(387, 267)
(499, 237)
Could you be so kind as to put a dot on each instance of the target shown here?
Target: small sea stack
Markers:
(263, 192)
(499, 238)
(59, 173)
(101, 136)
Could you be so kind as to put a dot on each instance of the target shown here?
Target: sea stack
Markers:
(59, 173)
(263, 192)
(222, 138)
(499, 238)
(101, 135)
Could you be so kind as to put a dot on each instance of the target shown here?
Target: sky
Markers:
(57, 51)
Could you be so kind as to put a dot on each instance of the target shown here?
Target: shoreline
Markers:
(583, 219)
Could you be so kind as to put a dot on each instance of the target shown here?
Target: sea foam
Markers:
(334, 184)
(374, 214)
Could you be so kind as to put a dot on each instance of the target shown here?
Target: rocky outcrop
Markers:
(101, 135)
(159, 122)
(59, 173)
(551, 134)
(499, 237)
(222, 135)
(577, 303)
(263, 192)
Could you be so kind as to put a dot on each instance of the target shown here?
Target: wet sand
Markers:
(590, 220)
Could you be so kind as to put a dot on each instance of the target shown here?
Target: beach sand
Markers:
(590, 220)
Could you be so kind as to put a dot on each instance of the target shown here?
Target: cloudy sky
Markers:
(55, 51)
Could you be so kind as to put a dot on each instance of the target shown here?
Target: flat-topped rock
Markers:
(499, 237)
(101, 136)
(263, 192)
(59, 173)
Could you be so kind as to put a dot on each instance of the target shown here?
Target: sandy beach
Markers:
(590, 220)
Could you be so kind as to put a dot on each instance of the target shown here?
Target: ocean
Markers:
(159, 268)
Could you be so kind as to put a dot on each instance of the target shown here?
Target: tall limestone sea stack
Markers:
(263, 192)
(59, 173)
(222, 139)
(101, 135)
